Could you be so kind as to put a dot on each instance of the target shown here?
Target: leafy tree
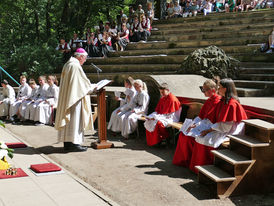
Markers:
(30, 29)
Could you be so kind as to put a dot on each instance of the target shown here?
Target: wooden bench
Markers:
(193, 110)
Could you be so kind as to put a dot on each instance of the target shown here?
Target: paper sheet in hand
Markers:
(186, 125)
(201, 126)
(117, 94)
(102, 83)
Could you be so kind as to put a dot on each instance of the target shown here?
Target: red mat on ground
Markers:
(20, 173)
(46, 167)
(14, 145)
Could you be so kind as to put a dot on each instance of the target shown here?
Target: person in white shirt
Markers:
(41, 96)
(7, 97)
(44, 110)
(75, 43)
(134, 110)
(23, 115)
(145, 28)
(208, 7)
(23, 93)
(115, 123)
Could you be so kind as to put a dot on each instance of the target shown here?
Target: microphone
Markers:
(97, 68)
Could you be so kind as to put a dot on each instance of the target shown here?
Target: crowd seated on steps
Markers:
(112, 36)
(33, 105)
(188, 8)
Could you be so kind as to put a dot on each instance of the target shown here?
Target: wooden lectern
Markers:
(102, 123)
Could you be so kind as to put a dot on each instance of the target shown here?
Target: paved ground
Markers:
(131, 173)
(58, 189)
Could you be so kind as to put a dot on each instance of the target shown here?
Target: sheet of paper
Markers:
(201, 126)
(187, 123)
(102, 83)
(117, 94)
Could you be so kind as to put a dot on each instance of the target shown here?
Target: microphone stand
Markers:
(97, 69)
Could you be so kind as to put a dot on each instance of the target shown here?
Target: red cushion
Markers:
(46, 167)
(16, 145)
(20, 173)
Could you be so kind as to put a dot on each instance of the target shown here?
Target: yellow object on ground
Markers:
(4, 164)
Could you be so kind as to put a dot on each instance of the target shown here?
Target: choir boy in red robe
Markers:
(168, 110)
(228, 116)
(185, 143)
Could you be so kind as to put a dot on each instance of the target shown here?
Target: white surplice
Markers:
(133, 112)
(44, 109)
(8, 97)
(24, 92)
(115, 123)
(220, 132)
(41, 96)
(165, 119)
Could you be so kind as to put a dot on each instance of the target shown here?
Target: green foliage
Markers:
(30, 30)
(210, 62)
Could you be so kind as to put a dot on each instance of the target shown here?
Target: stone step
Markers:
(247, 141)
(144, 59)
(170, 31)
(250, 92)
(209, 35)
(195, 43)
(254, 84)
(218, 23)
(259, 57)
(257, 77)
(231, 157)
(140, 68)
(214, 16)
(215, 174)
(252, 64)
(183, 51)
(257, 70)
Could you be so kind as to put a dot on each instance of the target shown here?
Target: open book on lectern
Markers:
(102, 84)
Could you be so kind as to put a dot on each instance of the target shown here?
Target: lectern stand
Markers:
(102, 123)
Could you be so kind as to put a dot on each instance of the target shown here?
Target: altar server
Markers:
(135, 109)
(168, 110)
(26, 102)
(115, 123)
(7, 97)
(23, 93)
(186, 143)
(44, 110)
(41, 96)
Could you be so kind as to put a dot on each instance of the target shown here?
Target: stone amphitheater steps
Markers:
(199, 43)
(128, 68)
(254, 26)
(208, 35)
(238, 34)
(219, 16)
(226, 22)
(184, 51)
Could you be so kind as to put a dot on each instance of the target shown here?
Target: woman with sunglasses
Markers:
(186, 143)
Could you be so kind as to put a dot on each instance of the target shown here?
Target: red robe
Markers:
(233, 111)
(166, 105)
(185, 144)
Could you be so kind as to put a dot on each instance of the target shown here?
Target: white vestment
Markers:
(73, 114)
(133, 112)
(115, 123)
(8, 96)
(41, 96)
(24, 92)
(165, 119)
(44, 109)
(24, 105)
(220, 132)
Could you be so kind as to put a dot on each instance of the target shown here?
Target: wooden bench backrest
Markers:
(193, 110)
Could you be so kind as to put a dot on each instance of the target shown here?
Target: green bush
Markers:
(33, 60)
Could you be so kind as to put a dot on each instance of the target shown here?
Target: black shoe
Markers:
(70, 147)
